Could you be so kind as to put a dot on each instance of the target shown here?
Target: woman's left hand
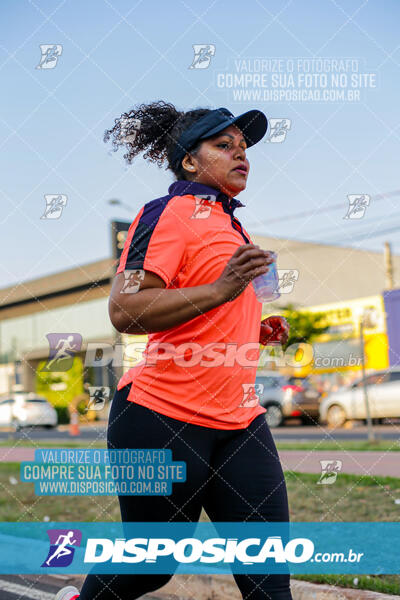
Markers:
(274, 329)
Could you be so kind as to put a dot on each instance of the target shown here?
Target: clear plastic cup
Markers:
(266, 285)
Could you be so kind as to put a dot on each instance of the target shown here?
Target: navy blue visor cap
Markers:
(253, 124)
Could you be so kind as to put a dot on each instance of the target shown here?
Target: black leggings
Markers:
(234, 474)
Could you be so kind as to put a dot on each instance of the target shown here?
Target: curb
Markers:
(223, 587)
(304, 590)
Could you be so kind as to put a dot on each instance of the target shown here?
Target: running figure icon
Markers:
(65, 348)
(62, 549)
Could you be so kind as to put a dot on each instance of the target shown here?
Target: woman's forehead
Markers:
(231, 130)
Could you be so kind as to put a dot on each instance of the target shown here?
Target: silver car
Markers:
(26, 409)
(383, 389)
(269, 388)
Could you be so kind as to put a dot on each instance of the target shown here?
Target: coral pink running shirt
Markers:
(203, 371)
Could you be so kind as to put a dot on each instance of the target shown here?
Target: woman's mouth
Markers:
(241, 170)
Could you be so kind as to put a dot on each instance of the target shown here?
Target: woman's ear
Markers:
(187, 163)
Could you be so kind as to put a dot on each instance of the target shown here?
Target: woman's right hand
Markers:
(246, 263)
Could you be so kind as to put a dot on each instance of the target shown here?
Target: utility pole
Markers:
(364, 317)
(388, 267)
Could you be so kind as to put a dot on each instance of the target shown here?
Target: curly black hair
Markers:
(156, 127)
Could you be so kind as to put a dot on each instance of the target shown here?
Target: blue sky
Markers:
(116, 54)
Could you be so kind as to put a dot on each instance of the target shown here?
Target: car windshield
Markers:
(304, 383)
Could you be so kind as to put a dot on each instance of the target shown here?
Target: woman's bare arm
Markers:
(151, 307)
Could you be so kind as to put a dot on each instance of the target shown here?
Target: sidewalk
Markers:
(223, 587)
(379, 463)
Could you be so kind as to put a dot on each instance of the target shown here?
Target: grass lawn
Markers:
(387, 584)
(350, 498)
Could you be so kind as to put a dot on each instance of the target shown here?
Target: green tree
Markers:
(305, 325)
(60, 388)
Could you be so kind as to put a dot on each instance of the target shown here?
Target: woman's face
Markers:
(217, 160)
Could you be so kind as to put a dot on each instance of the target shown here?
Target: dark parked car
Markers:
(287, 398)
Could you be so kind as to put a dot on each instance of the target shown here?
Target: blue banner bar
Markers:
(250, 547)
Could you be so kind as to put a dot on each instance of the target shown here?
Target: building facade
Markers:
(337, 280)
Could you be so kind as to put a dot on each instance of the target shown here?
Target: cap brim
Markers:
(253, 124)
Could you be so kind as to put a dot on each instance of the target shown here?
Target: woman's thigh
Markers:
(247, 483)
(134, 426)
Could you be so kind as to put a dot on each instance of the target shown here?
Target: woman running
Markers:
(183, 278)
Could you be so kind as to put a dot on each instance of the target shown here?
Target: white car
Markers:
(383, 390)
(26, 409)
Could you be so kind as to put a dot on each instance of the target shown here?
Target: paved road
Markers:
(36, 587)
(288, 433)
(87, 433)
(181, 587)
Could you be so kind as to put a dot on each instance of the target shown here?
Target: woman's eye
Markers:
(226, 144)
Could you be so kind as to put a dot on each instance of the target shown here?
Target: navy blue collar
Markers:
(182, 187)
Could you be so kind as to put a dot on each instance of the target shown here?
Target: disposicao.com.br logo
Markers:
(248, 551)
(190, 550)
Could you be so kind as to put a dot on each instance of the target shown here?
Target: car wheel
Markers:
(15, 425)
(273, 416)
(336, 417)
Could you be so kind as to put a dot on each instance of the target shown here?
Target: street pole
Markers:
(371, 436)
(388, 267)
